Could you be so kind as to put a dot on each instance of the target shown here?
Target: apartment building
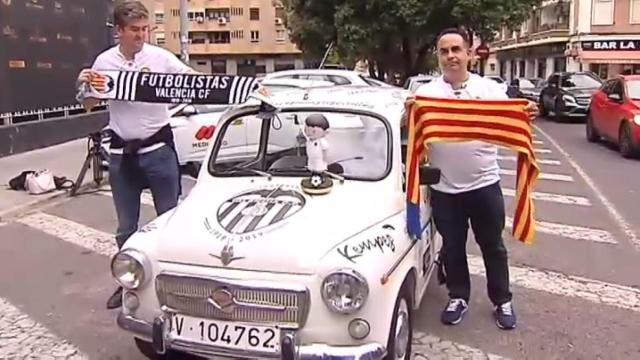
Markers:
(571, 35)
(244, 37)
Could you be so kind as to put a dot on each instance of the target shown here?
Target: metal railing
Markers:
(30, 116)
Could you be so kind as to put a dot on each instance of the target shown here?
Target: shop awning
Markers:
(611, 57)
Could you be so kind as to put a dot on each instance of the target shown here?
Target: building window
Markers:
(201, 62)
(159, 18)
(237, 11)
(220, 37)
(237, 34)
(175, 12)
(254, 14)
(600, 69)
(280, 13)
(635, 12)
(281, 35)
(602, 12)
(255, 35)
(218, 66)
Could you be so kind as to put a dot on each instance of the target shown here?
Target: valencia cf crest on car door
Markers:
(258, 209)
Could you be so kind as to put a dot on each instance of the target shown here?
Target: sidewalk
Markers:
(63, 160)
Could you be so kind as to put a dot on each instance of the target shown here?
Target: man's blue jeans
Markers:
(157, 169)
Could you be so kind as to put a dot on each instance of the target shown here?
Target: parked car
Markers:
(193, 127)
(276, 85)
(499, 80)
(413, 82)
(526, 88)
(614, 114)
(336, 76)
(568, 94)
(251, 266)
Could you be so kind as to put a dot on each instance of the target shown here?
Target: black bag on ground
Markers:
(18, 182)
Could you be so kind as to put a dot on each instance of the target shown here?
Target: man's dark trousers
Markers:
(484, 209)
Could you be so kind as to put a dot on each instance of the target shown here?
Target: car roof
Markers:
(630, 77)
(313, 71)
(302, 83)
(388, 102)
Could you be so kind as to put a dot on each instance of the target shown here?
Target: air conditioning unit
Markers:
(200, 19)
(222, 20)
(279, 21)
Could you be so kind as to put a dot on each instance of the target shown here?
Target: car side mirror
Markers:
(615, 97)
(429, 175)
(189, 110)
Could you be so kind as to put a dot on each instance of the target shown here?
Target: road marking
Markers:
(145, 198)
(539, 161)
(21, 337)
(542, 176)
(542, 151)
(624, 225)
(557, 198)
(537, 142)
(72, 232)
(599, 292)
(427, 347)
(571, 231)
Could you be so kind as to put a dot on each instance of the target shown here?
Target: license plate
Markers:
(226, 334)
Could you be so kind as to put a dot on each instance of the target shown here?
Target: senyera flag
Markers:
(501, 122)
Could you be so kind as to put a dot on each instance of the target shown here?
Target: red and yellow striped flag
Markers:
(501, 122)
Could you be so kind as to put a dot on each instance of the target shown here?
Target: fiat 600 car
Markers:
(293, 243)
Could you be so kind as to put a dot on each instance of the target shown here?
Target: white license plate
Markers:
(226, 334)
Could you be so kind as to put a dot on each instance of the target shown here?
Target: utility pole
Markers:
(184, 37)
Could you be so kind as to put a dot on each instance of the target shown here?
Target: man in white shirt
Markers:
(469, 189)
(142, 148)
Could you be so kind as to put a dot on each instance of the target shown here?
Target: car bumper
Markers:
(155, 333)
(574, 110)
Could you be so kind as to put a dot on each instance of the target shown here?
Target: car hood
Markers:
(581, 92)
(267, 226)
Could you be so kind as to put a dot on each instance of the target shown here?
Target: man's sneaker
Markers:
(505, 316)
(454, 311)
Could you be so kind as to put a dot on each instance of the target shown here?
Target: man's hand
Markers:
(532, 110)
(85, 76)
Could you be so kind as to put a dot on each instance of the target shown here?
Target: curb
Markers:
(46, 199)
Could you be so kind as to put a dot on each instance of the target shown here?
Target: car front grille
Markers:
(252, 302)
(583, 101)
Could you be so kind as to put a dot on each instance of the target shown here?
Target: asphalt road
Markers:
(576, 290)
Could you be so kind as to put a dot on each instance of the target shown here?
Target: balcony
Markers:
(210, 48)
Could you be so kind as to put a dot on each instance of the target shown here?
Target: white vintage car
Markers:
(251, 266)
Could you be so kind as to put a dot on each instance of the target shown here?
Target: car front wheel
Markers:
(592, 133)
(401, 334)
(625, 142)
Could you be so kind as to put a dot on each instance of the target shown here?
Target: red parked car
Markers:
(614, 114)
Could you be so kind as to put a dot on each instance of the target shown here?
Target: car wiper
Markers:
(290, 168)
(239, 168)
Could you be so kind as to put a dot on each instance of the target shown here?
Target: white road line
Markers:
(598, 292)
(542, 151)
(542, 176)
(72, 232)
(624, 225)
(539, 161)
(537, 142)
(22, 338)
(427, 347)
(571, 231)
(557, 198)
(145, 198)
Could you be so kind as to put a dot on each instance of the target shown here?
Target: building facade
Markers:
(244, 37)
(602, 36)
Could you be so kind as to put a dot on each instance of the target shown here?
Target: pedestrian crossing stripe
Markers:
(557, 198)
(572, 232)
(541, 176)
(540, 161)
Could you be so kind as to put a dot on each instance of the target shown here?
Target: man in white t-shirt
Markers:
(142, 147)
(469, 190)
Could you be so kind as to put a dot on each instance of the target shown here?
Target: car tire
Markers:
(401, 326)
(557, 117)
(543, 110)
(625, 142)
(592, 133)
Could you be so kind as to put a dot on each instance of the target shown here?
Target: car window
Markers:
(525, 84)
(607, 87)
(616, 88)
(580, 81)
(358, 143)
(338, 80)
(633, 89)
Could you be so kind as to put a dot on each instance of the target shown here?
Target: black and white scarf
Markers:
(171, 88)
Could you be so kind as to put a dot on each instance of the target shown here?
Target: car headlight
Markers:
(345, 291)
(130, 268)
(569, 99)
(636, 119)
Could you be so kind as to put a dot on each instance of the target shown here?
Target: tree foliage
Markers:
(395, 35)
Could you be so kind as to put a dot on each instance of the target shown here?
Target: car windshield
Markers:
(633, 89)
(580, 81)
(526, 84)
(357, 146)
(496, 79)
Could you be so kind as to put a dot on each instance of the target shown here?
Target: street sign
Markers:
(482, 51)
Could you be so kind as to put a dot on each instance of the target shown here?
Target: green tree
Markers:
(394, 35)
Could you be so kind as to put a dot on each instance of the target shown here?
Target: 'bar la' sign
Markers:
(600, 45)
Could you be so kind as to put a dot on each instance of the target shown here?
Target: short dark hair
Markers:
(457, 31)
(317, 120)
(126, 11)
